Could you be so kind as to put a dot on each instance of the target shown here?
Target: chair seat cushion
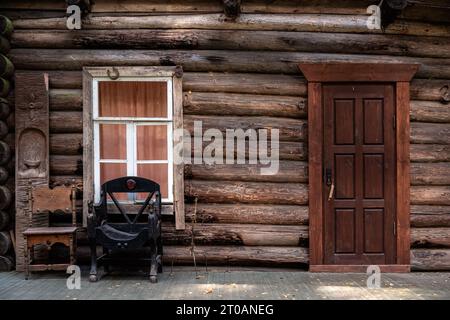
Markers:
(117, 235)
(49, 230)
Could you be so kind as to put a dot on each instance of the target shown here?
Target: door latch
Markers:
(329, 182)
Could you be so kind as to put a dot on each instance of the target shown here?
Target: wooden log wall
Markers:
(243, 73)
(6, 156)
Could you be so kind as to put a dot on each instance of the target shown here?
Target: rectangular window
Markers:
(133, 133)
(128, 130)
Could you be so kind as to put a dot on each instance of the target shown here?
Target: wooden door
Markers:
(359, 164)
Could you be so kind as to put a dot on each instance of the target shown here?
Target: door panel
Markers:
(359, 140)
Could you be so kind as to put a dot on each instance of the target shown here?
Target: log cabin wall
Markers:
(243, 73)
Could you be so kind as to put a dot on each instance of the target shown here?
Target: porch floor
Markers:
(227, 283)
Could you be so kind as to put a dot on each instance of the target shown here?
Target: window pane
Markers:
(151, 142)
(110, 171)
(132, 99)
(113, 141)
(156, 172)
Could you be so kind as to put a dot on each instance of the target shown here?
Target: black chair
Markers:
(128, 232)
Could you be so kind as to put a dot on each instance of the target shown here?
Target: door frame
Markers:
(400, 76)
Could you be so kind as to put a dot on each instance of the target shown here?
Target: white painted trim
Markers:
(96, 162)
(112, 119)
(112, 161)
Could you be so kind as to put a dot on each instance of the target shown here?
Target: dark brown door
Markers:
(359, 164)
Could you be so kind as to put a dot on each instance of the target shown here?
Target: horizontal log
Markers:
(307, 6)
(430, 173)
(288, 171)
(66, 100)
(66, 165)
(209, 60)
(65, 79)
(430, 259)
(248, 214)
(237, 234)
(429, 152)
(285, 6)
(289, 129)
(247, 192)
(206, 103)
(430, 216)
(430, 111)
(66, 122)
(287, 150)
(430, 237)
(436, 133)
(66, 143)
(233, 40)
(173, 6)
(430, 195)
(213, 21)
(429, 89)
(237, 255)
(270, 84)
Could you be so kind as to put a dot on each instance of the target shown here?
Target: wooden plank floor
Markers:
(224, 283)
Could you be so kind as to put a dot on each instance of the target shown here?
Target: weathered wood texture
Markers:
(209, 60)
(32, 148)
(234, 40)
(245, 213)
(243, 74)
(354, 23)
(430, 216)
(430, 259)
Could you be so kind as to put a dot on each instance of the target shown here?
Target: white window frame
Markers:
(139, 73)
(131, 136)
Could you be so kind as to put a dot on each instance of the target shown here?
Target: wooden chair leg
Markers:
(93, 273)
(153, 262)
(72, 251)
(160, 254)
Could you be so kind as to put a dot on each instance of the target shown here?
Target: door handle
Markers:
(330, 195)
(329, 182)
